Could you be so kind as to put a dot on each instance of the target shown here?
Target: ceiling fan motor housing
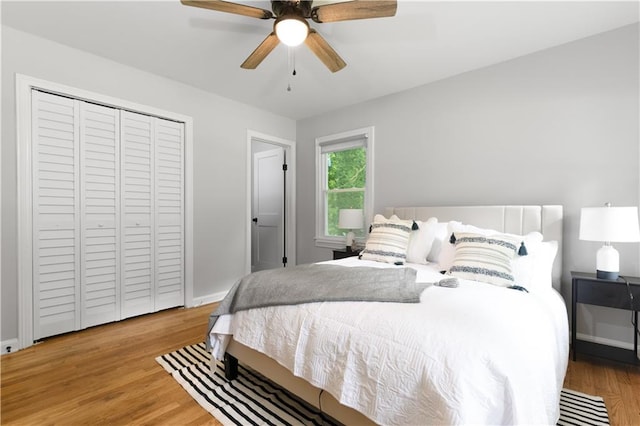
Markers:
(284, 7)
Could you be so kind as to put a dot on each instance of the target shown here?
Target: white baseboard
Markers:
(210, 298)
(604, 341)
(9, 346)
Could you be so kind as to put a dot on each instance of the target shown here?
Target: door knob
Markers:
(255, 220)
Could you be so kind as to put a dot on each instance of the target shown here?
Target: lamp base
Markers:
(607, 263)
(349, 240)
(606, 275)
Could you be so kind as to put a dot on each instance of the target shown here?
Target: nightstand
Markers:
(342, 253)
(588, 289)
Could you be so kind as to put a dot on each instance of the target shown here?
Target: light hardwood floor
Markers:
(105, 375)
(108, 375)
(617, 383)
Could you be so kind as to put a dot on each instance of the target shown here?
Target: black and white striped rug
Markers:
(581, 409)
(253, 399)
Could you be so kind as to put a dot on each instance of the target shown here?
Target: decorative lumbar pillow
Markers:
(448, 249)
(421, 240)
(447, 252)
(485, 258)
(388, 240)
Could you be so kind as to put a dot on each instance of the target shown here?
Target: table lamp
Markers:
(350, 219)
(609, 224)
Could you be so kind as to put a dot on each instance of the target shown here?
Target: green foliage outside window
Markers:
(346, 179)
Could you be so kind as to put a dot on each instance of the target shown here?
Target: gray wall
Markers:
(220, 134)
(556, 127)
(559, 126)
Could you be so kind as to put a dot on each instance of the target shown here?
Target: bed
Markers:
(479, 353)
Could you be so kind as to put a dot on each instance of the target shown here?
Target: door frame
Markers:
(290, 194)
(24, 85)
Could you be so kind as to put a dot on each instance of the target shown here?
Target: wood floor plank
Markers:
(108, 375)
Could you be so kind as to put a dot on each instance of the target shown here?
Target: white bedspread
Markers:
(476, 354)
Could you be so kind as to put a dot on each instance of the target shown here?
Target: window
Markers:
(344, 181)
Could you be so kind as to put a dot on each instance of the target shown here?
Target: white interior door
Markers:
(100, 255)
(137, 260)
(100, 207)
(169, 207)
(105, 202)
(268, 198)
(56, 215)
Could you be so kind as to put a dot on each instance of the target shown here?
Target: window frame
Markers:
(363, 137)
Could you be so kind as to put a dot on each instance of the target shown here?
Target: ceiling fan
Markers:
(291, 26)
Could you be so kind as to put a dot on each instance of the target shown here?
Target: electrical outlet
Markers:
(9, 346)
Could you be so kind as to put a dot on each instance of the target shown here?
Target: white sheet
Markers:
(476, 354)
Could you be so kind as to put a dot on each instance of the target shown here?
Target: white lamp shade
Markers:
(609, 224)
(350, 219)
(292, 31)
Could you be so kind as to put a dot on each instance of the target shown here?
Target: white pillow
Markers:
(421, 240)
(534, 271)
(439, 240)
(388, 240)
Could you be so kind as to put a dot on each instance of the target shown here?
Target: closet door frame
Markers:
(24, 85)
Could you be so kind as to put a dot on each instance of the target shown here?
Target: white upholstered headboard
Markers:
(512, 219)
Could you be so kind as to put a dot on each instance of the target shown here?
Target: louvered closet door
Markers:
(138, 288)
(56, 217)
(100, 183)
(169, 191)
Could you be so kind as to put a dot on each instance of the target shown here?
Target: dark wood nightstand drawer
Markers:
(609, 294)
(342, 253)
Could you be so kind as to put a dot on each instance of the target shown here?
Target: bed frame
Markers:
(520, 220)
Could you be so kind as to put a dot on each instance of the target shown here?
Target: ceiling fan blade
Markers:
(229, 7)
(355, 9)
(324, 52)
(261, 52)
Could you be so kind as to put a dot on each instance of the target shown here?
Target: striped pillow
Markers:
(485, 258)
(388, 241)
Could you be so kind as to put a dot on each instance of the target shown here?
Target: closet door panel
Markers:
(100, 205)
(169, 194)
(56, 217)
(138, 287)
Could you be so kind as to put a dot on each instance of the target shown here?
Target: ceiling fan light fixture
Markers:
(291, 30)
(291, 27)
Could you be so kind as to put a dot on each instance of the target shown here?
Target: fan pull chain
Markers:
(292, 64)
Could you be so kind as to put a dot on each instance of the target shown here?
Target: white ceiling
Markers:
(424, 42)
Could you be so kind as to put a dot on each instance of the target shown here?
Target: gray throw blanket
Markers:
(319, 283)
